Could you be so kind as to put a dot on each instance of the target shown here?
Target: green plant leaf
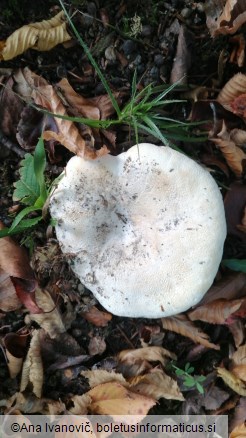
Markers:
(179, 372)
(22, 226)
(21, 215)
(235, 264)
(27, 188)
(199, 388)
(189, 382)
(200, 378)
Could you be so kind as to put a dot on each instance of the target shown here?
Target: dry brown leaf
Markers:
(234, 202)
(242, 227)
(150, 354)
(238, 53)
(230, 287)
(232, 153)
(239, 371)
(14, 264)
(215, 312)
(182, 60)
(41, 36)
(156, 385)
(183, 326)
(238, 331)
(50, 320)
(232, 89)
(232, 381)
(114, 399)
(97, 377)
(239, 357)
(97, 317)
(239, 431)
(32, 372)
(84, 106)
(232, 18)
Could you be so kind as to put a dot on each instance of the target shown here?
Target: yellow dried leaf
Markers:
(156, 384)
(41, 36)
(233, 154)
(232, 89)
(114, 399)
(215, 312)
(50, 320)
(32, 371)
(98, 377)
(232, 381)
(239, 431)
(151, 354)
(183, 326)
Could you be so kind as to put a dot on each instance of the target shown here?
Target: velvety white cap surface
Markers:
(146, 234)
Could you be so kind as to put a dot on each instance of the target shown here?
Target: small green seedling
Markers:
(188, 380)
(31, 190)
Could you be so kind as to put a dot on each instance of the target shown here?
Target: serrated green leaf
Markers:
(22, 226)
(21, 215)
(235, 264)
(27, 188)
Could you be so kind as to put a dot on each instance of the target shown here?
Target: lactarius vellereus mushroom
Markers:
(146, 229)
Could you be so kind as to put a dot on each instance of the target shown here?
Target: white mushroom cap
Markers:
(146, 229)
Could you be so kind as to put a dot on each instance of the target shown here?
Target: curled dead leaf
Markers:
(15, 351)
(50, 320)
(80, 404)
(233, 154)
(32, 372)
(41, 36)
(232, 89)
(232, 17)
(183, 326)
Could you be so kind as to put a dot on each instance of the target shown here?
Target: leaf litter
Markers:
(122, 368)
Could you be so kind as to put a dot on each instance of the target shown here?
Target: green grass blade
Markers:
(235, 264)
(93, 61)
(21, 215)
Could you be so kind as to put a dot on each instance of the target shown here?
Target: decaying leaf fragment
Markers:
(182, 325)
(150, 354)
(233, 154)
(239, 363)
(97, 377)
(41, 36)
(32, 372)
